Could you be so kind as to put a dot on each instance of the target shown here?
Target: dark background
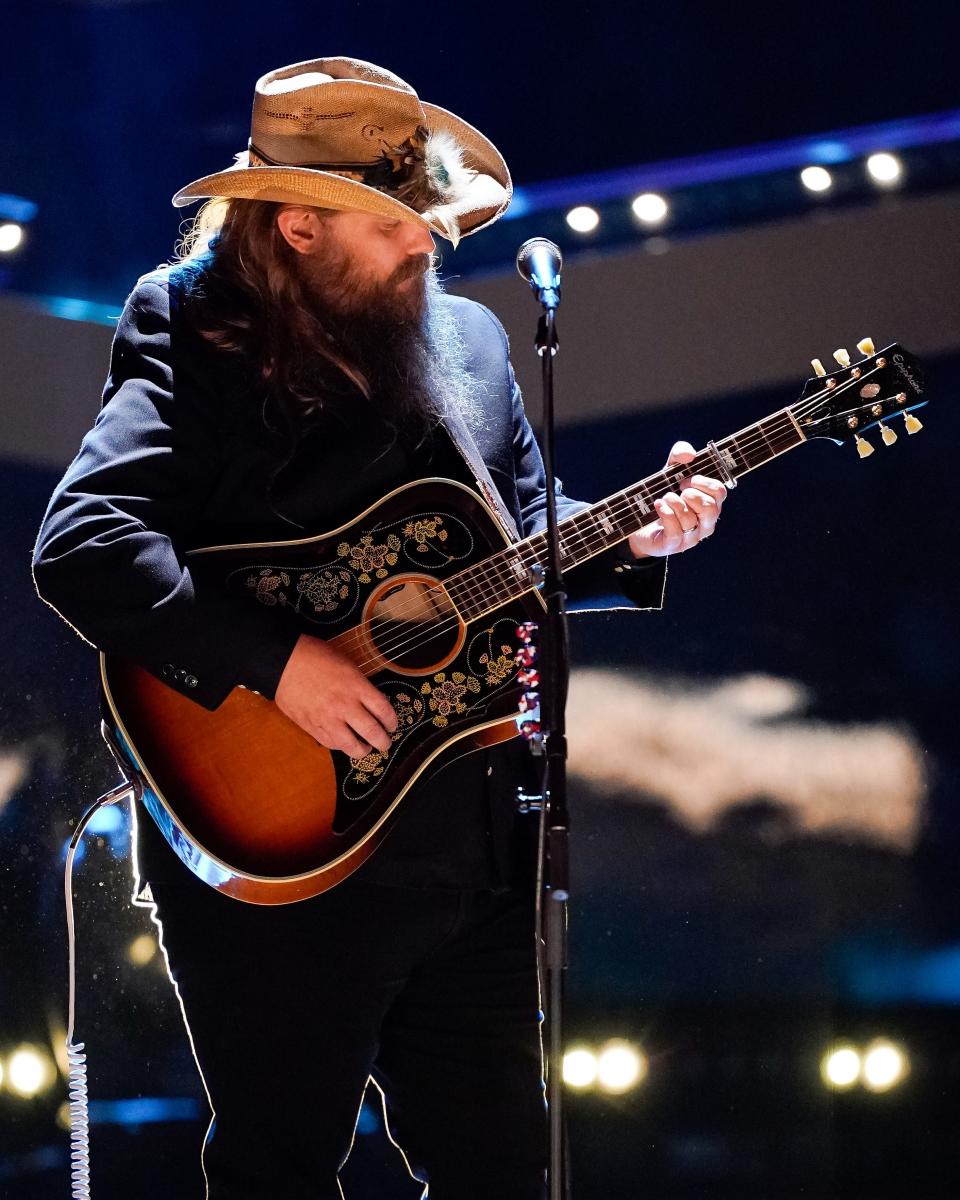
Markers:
(110, 106)
(727, 953)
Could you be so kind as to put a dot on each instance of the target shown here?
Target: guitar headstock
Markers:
(843, 404)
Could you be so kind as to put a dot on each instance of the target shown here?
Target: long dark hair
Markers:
(247, 296)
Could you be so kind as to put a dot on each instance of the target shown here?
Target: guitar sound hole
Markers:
(414, 625)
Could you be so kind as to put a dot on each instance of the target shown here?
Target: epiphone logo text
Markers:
(908, 375)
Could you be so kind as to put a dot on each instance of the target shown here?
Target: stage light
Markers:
(650, 209)
(816, 179)
(840, 1067)
(142, 950)
(579, 1067)
(884, 1066)
(29, 1072)
(583, 218)
(884, 168)
(620, 1067)
(11, 235)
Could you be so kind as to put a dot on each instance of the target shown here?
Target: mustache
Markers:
(417, 264)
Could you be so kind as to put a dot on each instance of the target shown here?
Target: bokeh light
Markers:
(579, 1067)
(583, 219)
(650, 209)
(884, 168)
(884, 1066)
(816, 179)
(142, 950)
(11, 235)
(620, 1066)
(840, 1067)
(30, 1071)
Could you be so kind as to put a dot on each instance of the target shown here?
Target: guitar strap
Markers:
(463, 440)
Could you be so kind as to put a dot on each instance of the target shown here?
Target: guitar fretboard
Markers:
(488, 585)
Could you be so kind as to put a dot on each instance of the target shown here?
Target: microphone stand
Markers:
(553, 868)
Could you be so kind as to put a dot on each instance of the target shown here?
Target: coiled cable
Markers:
(76, 1058)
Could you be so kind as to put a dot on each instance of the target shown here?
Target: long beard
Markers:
(404, 348)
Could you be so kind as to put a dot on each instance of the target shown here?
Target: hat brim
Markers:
(486, 198)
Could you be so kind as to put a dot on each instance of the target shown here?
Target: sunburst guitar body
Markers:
(250, 802)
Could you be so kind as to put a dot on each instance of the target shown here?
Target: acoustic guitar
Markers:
(426, 594)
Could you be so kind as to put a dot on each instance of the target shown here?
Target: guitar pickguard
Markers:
(429, 710)
(326, 593)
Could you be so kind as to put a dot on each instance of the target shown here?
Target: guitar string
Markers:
(642, 491)
(493, 569)
(619, 505)
(496, 569)
(629, 495)
(622, 503)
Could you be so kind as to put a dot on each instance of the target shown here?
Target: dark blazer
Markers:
(180, 457)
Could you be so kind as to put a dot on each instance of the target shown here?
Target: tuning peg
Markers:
(864, 449)
(842, 356)
(866, 347)
(911, 422)
(818, 366)
(888, 435)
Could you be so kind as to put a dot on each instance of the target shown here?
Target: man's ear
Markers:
(300, 226)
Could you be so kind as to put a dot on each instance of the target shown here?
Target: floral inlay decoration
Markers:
(369, 558)
(445, 696)
(500, 668)
(422, 530)
(409, 710)
(368, 767)
(324, 590)
(264, 586)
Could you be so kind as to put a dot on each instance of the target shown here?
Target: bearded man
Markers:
(296, 363)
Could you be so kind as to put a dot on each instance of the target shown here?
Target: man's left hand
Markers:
(684, 519)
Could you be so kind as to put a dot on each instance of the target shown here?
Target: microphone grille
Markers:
(530, 247)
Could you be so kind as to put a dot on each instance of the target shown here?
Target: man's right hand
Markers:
(332, 700)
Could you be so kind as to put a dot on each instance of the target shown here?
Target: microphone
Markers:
(539, 262)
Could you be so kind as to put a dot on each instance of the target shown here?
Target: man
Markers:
(298, 362)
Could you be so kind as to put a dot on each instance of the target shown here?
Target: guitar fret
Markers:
(775, 438)
(515, 564)
(480, 578)
(763, 441)
(763, 434)
(605, 521)
(640, 504)
(586, 527)
(725, 450)
(501, 580)
(513, 571)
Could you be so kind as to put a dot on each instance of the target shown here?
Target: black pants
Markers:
(431, 991)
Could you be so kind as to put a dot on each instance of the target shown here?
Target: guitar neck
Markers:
(518, 569)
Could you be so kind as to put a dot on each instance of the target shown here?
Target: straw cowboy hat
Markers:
(341, 133)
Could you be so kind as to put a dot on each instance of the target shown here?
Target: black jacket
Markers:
(180, 457)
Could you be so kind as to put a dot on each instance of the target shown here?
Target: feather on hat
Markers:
(345, 134)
